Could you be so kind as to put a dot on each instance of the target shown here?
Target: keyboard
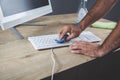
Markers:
(48, 41)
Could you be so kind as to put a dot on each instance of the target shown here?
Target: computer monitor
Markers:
(16, 12)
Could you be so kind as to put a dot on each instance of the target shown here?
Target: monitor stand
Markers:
(18, 34)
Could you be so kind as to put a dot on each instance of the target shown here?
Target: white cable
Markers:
(53, 67)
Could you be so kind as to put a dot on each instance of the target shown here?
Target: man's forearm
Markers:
(98, 10)
(113, 40)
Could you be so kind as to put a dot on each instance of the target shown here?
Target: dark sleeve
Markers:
(114, 14)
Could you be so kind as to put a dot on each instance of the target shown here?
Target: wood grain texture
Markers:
(20, 61)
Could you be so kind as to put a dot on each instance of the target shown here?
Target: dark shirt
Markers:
(114, 14)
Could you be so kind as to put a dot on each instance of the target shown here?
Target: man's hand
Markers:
(72, 29)
(87, 48)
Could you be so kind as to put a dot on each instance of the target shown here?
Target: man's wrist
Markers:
(86, 21)
(81, 27)
(104, 49)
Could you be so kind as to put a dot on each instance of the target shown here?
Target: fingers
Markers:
(79, 45)
(77, 51)
(71, 36)
(86, 48)
(73, 30)
(64, 31)
(82, 52)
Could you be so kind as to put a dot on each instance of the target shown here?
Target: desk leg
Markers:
(16, 32)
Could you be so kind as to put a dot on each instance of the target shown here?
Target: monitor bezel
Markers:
(19, 18)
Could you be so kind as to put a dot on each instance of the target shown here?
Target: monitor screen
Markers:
(15, 12)
(11, 7)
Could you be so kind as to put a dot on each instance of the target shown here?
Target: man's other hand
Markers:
(87, 48)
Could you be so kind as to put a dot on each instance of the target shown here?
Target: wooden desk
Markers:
(20, 61)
